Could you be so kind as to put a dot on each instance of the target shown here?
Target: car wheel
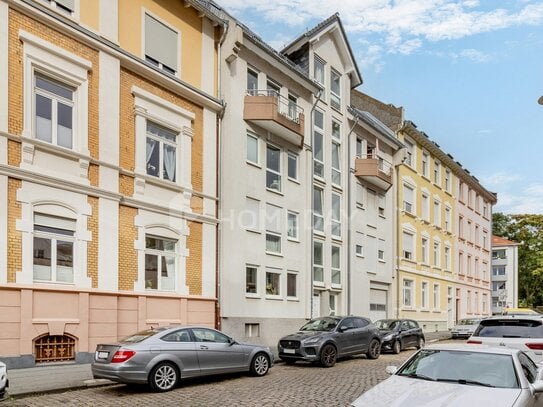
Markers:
(397, 347)
(374, 350)
(420, 343)
(163, 377)
(328, 355)
(260, 364)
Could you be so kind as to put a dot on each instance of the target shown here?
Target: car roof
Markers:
(538, 317)
(473, 348)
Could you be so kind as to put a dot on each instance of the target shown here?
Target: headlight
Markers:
(388, 338)
(312, 341)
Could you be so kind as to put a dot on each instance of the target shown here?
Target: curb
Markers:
(90, 383)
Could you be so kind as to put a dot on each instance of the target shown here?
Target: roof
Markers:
(377, 124)
(305, 37)
(464, 347)
(502, 241)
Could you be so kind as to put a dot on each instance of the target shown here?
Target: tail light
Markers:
(474, 342)
(535, 346)
(122, 355)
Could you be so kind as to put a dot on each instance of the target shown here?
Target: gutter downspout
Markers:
(218, 181)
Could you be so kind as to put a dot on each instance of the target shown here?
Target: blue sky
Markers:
(467, 72)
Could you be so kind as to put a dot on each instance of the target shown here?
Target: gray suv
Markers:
(326, 339)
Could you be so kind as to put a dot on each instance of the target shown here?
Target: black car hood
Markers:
(301, 335)
(385, 332)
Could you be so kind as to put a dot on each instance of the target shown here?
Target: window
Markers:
(252, 330)
(477, 242)
(461, 191)
(498, 285)
(318, 70)
(437, 254)
(425, 163)
(161, 153)
(407, 252)
(54, 105)
(336, 153)
(336, 215)
(498, 271)
(274, 89)
(292, 225)
(293, 113)
(318, 214)
(335, 89)
(273, 229)
(318, 143)
(470, 193)
(273, 168)
(485, 239)
(382, 203)
(436, 296)
(477, 268)
(485, 269)
(293, 166)
(209, 335)
(408, 199)
(424, 250)
(425, 204)
(252, 149)
(250, 219)
(161, 45)
(437, 173)
(66, 6)
(460, 263)
(410, 152)
(359, 147)
(318, 262)
(469, 231)
(53, 249)
(447, 258)
(407, 293)
(252, 82)
(251, 278)
(292, 279)
(381, 255)
(448, 218)
(336, 265)
(159, 263)
(424, 295)
(359, 250)
(272, 282)
(332, 303)
(498, 254)
(469, 265)
(437, 213)
(448, 180)
(469, 303)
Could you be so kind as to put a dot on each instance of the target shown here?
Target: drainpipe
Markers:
(218, 182)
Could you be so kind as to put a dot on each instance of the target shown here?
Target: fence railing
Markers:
(285, 106)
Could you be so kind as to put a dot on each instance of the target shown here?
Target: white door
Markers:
(378, 304)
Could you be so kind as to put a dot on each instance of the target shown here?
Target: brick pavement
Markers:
(299, 385)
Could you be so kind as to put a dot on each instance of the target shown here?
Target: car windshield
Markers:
(462, 367)
(140, 336)
(468, 322)
(511, 328)
(387, 323)
(320, 324)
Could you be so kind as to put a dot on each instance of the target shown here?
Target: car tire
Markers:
(163, 377)
(328, 355)
(260, 364)
(396, 347)
(420, 343)
(374, 349)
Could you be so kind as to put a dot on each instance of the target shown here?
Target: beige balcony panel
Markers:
(374, 172)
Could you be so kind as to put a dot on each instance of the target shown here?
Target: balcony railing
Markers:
(275, 113)
(375, 170)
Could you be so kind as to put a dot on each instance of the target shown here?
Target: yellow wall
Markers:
(89, 13)
(183, 19)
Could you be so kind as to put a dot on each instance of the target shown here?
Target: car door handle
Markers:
(203, 347)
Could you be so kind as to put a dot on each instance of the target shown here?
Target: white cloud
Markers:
(474, 55)
(527, 200)
(500, 179)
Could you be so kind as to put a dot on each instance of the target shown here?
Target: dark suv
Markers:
(327, 338)
(398, 334)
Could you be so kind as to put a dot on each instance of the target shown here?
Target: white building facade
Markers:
(504, 274)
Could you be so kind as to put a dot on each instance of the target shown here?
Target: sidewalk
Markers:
(43, 379)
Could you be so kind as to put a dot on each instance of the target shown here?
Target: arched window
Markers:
(54, 348)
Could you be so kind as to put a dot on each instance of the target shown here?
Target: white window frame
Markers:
(318, 216)
(408, 254)
(425, 164)
(278, 273)
(424, 295)
(448, 218)
(254, 222)
(319, 162)
(162, 142)
(256, 293)
(408, 207)
(160, 64)
(257, 140)
(437, 173)
(408, 293)
(425, 206)
(293, 236)
(437, 213)
(448, 180)
(359, 253)
(335, 270)
(318, 61)
(54, 5)
(447, 254)
(292, 157)
(274, 218)
(295, 274)
(381, 255)
(335, 98)
(425, 250)
(436, 252)
(436, 296)
(410, 149)
(272, 171)
(51, 61)
(336, 217)
(319, 266)
(160, 254)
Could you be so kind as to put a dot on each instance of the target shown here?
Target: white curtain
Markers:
(151, 145)
(169, 162)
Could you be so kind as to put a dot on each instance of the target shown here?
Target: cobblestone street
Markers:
(299, 385)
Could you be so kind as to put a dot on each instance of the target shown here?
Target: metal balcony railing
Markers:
(285, 107)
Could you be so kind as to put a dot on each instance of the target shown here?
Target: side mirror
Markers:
(391, 369)
(231, 341)
(341, 329)
(538, 386)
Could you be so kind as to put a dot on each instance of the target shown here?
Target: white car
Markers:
(465, 328)
(3, 379)
(459, 376)
(524, 332)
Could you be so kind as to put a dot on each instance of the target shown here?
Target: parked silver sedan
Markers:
(162, 356)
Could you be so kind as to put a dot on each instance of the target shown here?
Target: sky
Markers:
(468, 73)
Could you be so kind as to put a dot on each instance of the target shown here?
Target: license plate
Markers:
(102, 355)
(289, 351)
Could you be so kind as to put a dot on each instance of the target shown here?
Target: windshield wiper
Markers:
(419, 376)
(511, 336)
(464, 381)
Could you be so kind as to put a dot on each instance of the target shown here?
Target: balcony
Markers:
(374, 170)
(275, 113)
(499, 261)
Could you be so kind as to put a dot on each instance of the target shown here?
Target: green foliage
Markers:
(527, 230)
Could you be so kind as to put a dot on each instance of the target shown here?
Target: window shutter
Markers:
(160, 42)
(54, 222)
(69, 4)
